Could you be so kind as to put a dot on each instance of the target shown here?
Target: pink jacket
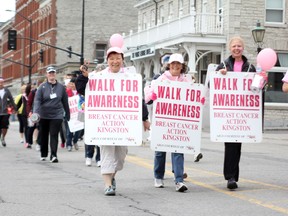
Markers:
(149, 90)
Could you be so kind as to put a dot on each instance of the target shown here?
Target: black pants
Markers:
(49, 129)
(23, 126)
(231, 160)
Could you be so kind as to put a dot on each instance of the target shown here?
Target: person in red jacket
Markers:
(70, 136)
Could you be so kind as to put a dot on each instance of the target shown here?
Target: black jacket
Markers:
(145, 112)
(229, 62)
(80, 84)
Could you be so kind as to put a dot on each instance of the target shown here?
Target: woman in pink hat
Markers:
(112, 157)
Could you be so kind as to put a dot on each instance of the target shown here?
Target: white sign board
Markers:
(235, 111)
(74, 124)
(113, 109)
(177, 117)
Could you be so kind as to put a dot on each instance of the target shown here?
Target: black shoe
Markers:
(199, 156)
(3, 142)
(54, 160)
(231, 184)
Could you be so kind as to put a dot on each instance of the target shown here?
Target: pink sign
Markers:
(177, 117)
(235, 110)
(113, 109)
(74, 124)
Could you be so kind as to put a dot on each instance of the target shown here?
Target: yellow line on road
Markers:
(149, 165)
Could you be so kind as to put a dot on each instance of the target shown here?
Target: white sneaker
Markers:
(88, 161)
(69, 148)
(42, 158)
(37, 147)
(181, 187)
(76, 146)
(158, 183)
(98, 163)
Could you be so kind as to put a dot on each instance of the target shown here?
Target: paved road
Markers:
(29, 187)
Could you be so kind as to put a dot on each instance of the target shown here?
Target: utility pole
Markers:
(82, 35)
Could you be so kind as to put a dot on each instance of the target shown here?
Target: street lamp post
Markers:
(258, 35)
(30, 44)
(82, 34)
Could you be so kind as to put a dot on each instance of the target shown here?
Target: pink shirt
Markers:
(285, 78)
(238, 66)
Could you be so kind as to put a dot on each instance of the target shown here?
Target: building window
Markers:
(274, 87)
(152, 18)
(219, 12)
(180, 8)
(283, 59)
(144, 21)
(100, 52)
(170, 10)
(275, 11)
(161, 14)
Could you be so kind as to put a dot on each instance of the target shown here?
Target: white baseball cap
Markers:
(49, 69)
(176, 57)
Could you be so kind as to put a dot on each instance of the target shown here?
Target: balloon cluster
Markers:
(116, 40)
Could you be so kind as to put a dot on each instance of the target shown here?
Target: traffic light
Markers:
(12, 39)
(69, 53)
(41, 56)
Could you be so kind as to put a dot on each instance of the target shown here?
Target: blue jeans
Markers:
(177, 165)
(71, 136)
(89, 152)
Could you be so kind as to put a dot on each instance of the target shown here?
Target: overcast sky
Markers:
(8, 5)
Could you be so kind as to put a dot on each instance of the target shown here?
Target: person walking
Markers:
(81, 82)
(113, 157)
(236, 62)
(33, 128)
(175, 71)
(21, 114)
(6, 100)
(71, 136)
(50, 103)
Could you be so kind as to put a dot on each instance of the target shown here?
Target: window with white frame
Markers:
(152, 18)
(170, 10)
(161, 14)
(144, 21)
(219, 11)
(180, 8)
(275, 11)
(100, 52)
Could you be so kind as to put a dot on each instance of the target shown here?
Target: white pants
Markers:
(112, 158)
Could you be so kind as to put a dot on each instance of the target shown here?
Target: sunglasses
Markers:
(51, 72)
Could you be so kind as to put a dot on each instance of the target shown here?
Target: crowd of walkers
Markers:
(47, 102)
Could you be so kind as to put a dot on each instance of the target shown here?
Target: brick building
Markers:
(58, 24)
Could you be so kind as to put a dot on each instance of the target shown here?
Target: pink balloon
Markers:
(116, 40)
(267, 58)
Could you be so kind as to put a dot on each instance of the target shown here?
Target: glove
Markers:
(153, 96)
(203, 100)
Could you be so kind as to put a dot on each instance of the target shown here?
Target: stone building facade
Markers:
(200, 30)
